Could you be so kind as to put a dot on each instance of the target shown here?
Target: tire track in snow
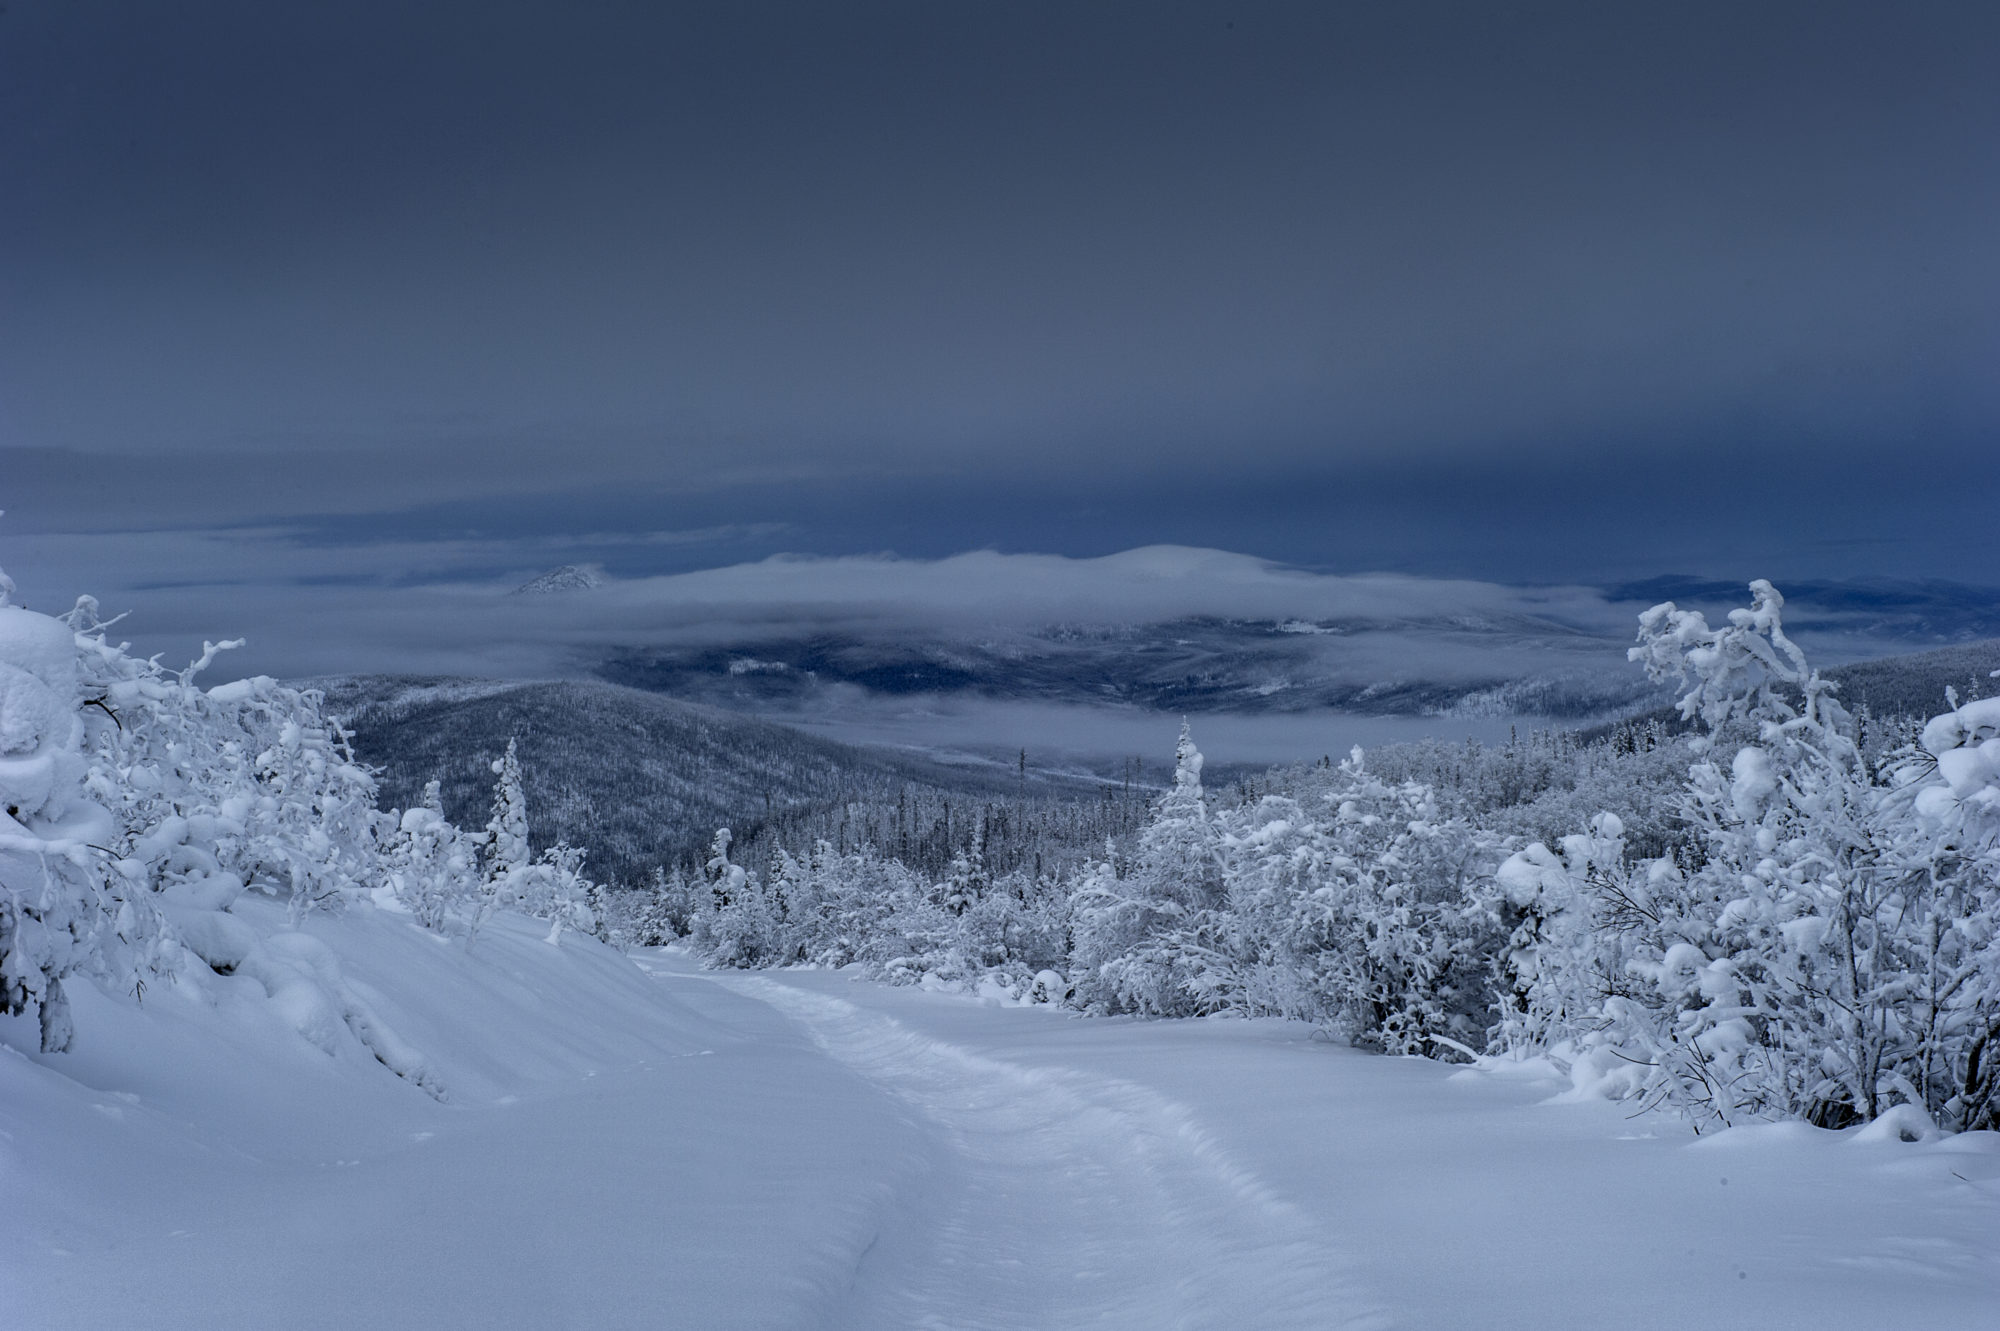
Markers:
(1069, 1201)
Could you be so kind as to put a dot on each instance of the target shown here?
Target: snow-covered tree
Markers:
(738, 924)
(1957, 808)
(966, 882)
(555, 888)
(433, 866)
(551, 886)
(862, 903)
(1357, 907)
(1829, 952)
(1568, 912)
(506, 851)
(670, 904)
(1140, 927)
(725, 878)
(1016, 927)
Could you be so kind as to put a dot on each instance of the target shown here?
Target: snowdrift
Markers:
(585, 1150)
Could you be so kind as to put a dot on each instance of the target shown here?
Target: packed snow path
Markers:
(1302, 1183)
(630, 1142)
(1062, 1200)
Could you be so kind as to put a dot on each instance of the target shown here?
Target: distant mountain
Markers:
(639, 779)
(561, 581)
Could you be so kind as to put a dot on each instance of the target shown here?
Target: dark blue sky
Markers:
(1529, 292)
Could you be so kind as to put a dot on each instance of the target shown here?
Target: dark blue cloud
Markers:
(1573, 292)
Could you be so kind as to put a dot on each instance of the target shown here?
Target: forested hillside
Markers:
(640, 780)
(1915, 685)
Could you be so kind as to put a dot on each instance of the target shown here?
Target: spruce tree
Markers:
(506, 850)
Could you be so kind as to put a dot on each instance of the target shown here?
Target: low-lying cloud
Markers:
(444, 606)
(336, 611)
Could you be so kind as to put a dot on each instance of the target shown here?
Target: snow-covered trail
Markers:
(1068, 1200)
(1331, 1184)
(631, 1142)
(616, 1153)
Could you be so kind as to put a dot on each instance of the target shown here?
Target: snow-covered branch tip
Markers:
(209, 651)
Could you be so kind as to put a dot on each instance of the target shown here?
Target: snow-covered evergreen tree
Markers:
(966, 882)
(505, 853)
(739, 924)
(1140, 929)
(725, 879)
(668, 908)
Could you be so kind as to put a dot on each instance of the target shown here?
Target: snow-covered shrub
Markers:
(1829, 952)
(1567, 912)
(244, 788)
(247, 786)
(553, 887)
(1351, 902)
(863, 907)
(1964, 744)
(1017, 926)
(1956, 808)
(190, 798)
(1544, 785)
(64, 907)
(838, 909)
(433, 866)
(140, 812)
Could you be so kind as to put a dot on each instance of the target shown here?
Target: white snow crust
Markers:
(631, 1142)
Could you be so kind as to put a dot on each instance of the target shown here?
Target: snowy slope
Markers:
(636, 778)
(632, 1143)
(613, 1152)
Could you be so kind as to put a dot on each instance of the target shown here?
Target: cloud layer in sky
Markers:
(1437, 287)
(385, 607)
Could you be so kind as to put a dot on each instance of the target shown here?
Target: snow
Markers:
(43, 647)
(629, 1154)
(629, 1141)
(1458, 1198)
(309, 1077)
(562, 581)
(1966, 742)
(38, 728)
